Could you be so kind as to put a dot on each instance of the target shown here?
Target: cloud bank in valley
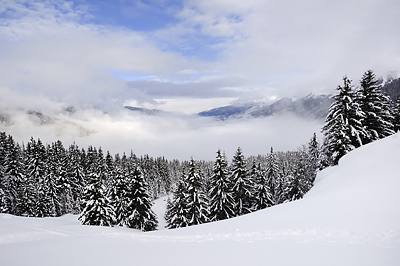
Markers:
(175, 137)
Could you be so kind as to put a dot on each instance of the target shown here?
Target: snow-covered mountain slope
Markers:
(309, 107)
(350, 217)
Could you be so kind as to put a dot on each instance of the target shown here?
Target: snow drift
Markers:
(350, 217)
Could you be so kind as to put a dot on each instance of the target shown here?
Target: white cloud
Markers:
(175, 137)
(52, 56)
(48, 52)
(300, 45)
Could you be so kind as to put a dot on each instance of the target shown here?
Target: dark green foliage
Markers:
(297, 183)
(343, 129)
(97, 209)
(196, 201)
(13, 175)
(221, 200)
(76, 175)
(138, 213)
(242, 185)
(273, 176)
(262, 197)
(357, 118)
(176, 213)
(313, 159)
(377, 108)
(396, 110)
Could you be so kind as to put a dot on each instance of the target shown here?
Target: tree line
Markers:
(38, 180)
(244, 186)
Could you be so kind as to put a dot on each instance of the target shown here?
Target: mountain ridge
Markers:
(312, 106)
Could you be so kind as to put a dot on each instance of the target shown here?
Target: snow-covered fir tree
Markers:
(118, 189)
(221, 200)
(262, 197)
(3, 154)
(48, 200)
(64, 183)
(397, 116)
(26, 199)
(97, 209)
(343, 129)
(35, 170)
(13, 174)
(76, 175)
(379, 118)
(241, 184)
(176, 214)
(313, 158)
(273, 176)
(297, 184)
(139, 214)
(195, 199)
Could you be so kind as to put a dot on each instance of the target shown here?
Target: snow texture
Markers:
(350, 217)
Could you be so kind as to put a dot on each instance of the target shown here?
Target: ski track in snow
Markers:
(385, 239)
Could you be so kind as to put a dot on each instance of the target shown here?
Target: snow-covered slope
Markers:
(350, 217)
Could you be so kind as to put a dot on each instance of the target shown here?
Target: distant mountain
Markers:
(39, 119)
(311, 106)
(392, 89)
(229, 111)
(144, 110)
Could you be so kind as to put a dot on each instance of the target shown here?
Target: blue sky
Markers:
(87, 51)
(135, 15)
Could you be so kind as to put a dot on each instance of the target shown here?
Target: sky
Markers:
(187, 56)
(97, 52)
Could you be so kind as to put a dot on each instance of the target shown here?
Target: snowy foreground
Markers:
(350, 217)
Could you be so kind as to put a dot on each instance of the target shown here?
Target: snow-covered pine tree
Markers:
(195, 199)
(343, 129)
(313, 158)
(297, 184)
(164, 175)
(273, 176)
(221, 200)
(110, 166)
(97, 209)
(176, 214)
(76, 175)
(262, 197)
(241, 184)
(101, 167)
(91, 159)
(117, 191)
(397, 116)
(63, 181)
(150, 172)
(139, 214)
(27, 193)
(3, 155)
(377, 108)
(48, 201)
(36, 169)
(13, 173)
